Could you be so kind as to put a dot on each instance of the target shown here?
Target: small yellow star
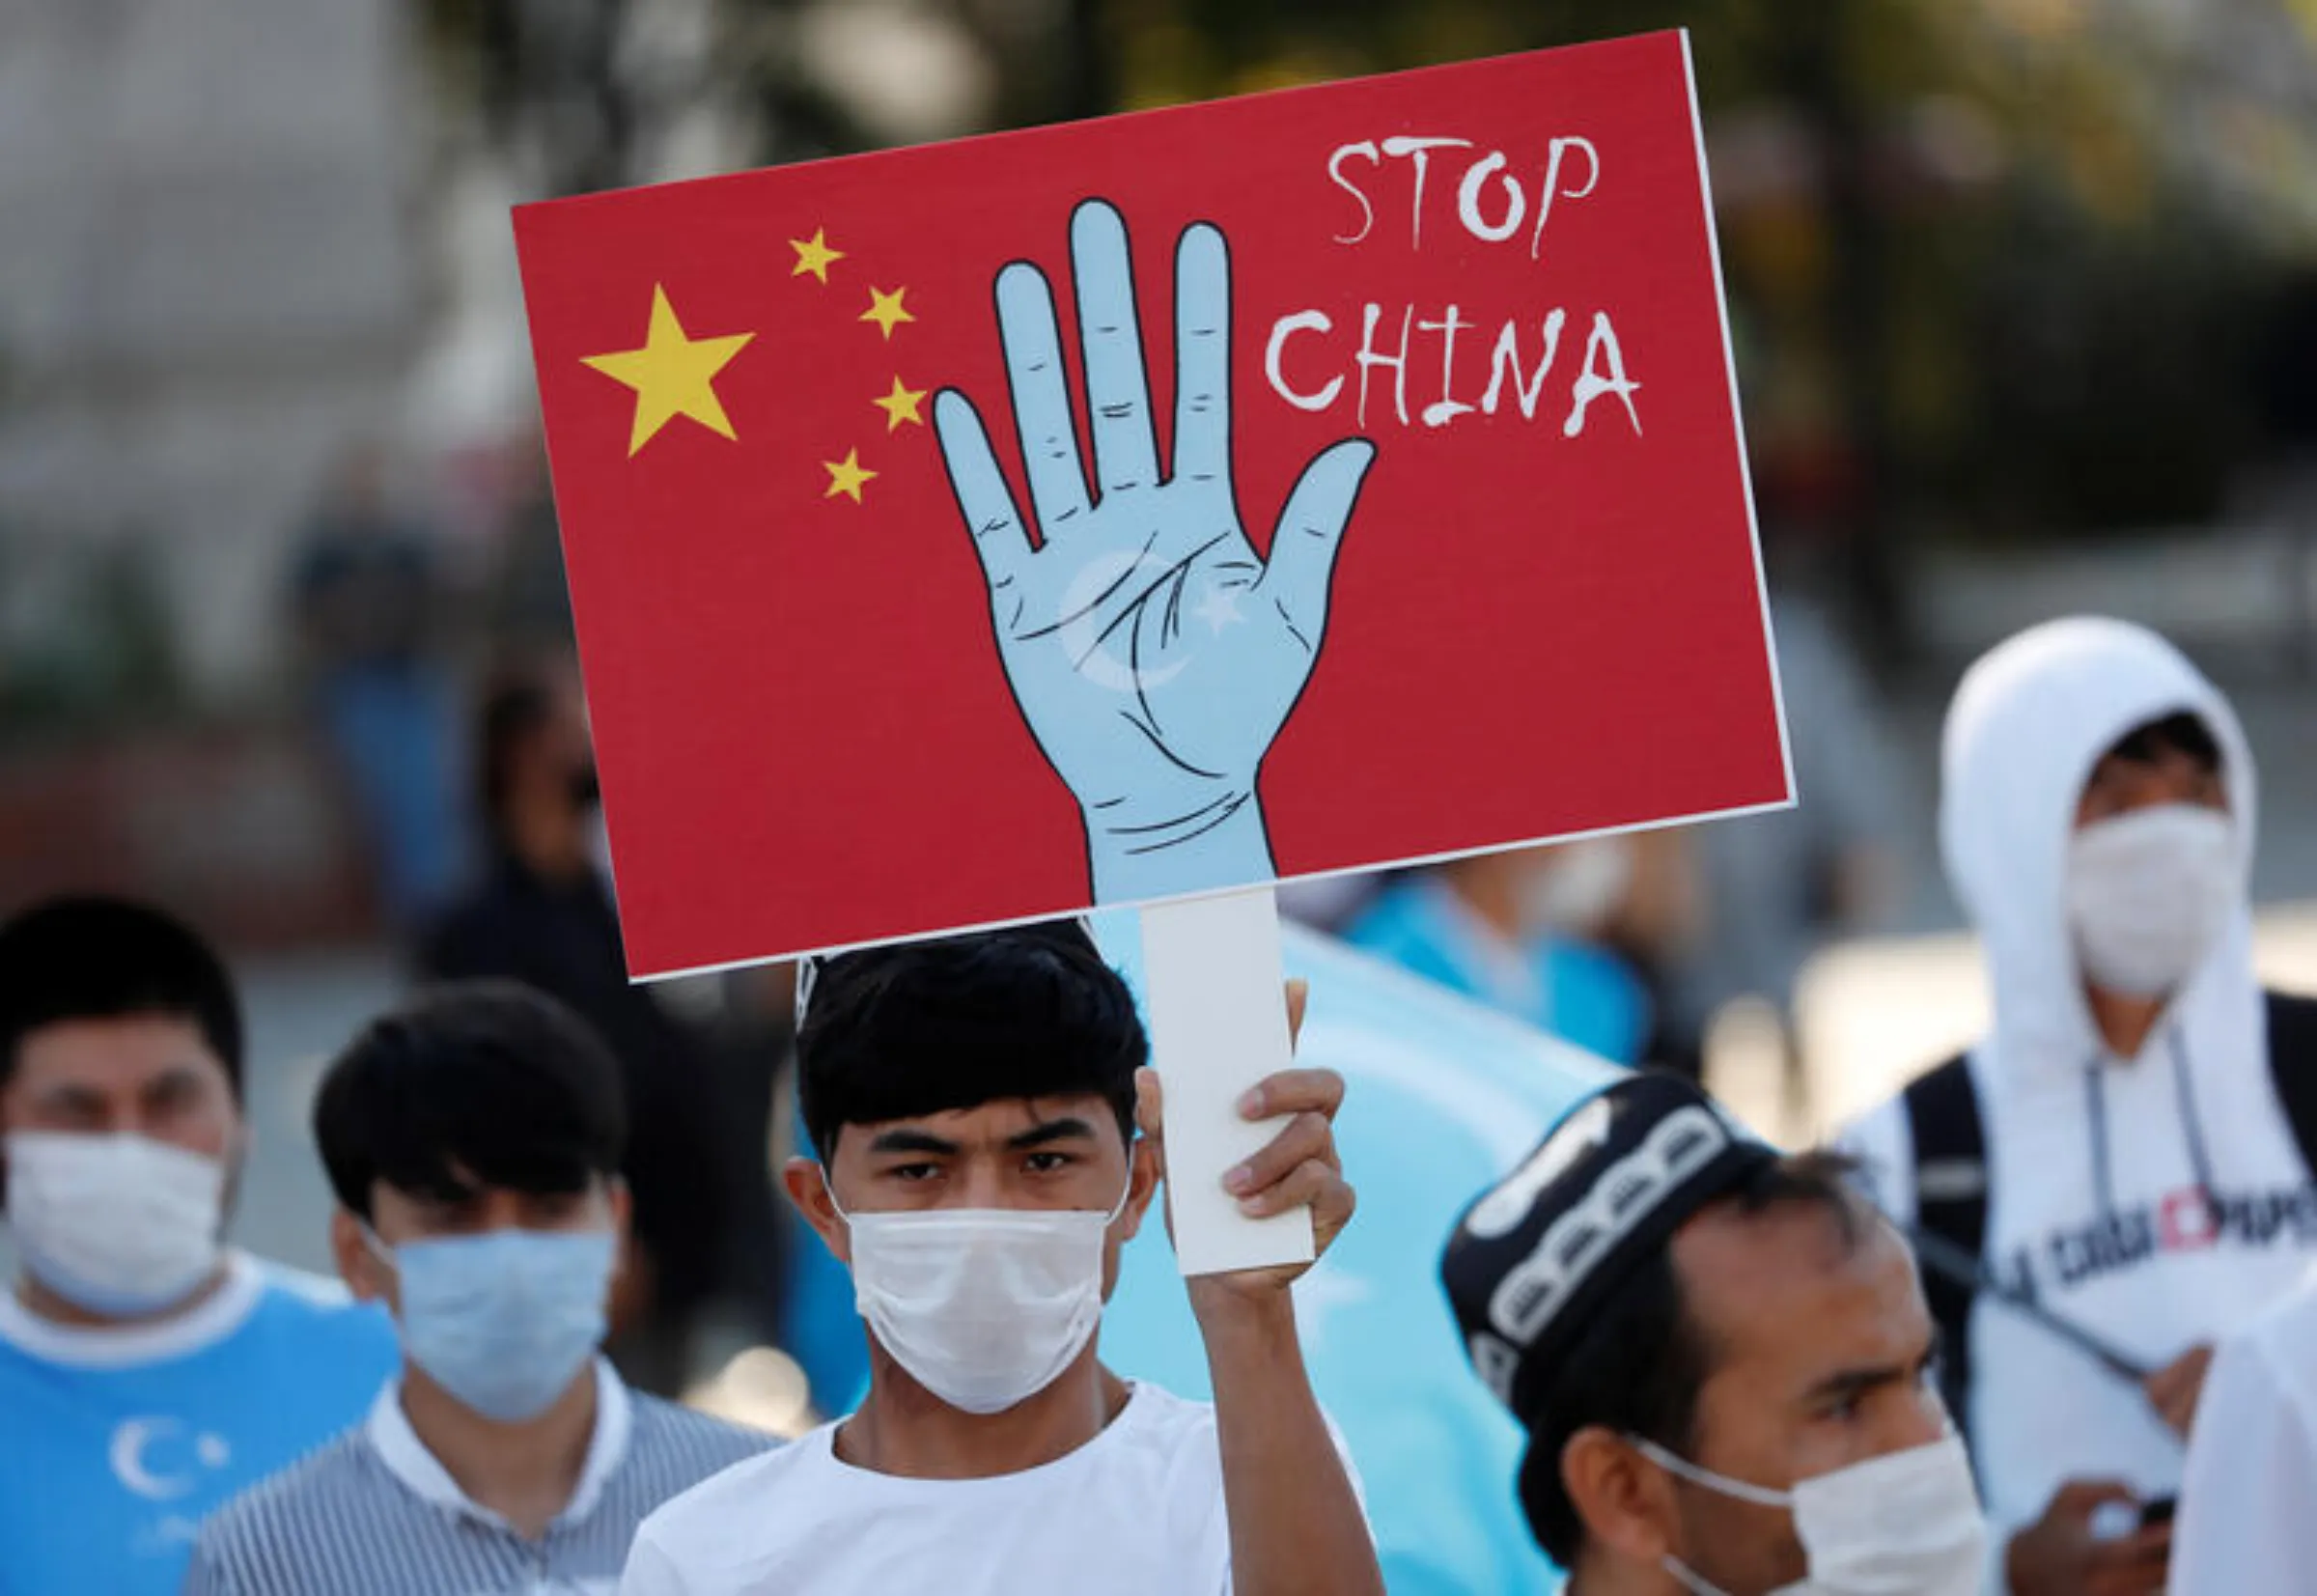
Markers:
(671, 374)
(899, 405)
(885, 309)
(845, 476)
(813, 254)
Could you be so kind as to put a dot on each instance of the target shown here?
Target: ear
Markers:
(1142, 1184)
(808, 1188)
(1625, 1504)
(621, 1204)
(370, 1280)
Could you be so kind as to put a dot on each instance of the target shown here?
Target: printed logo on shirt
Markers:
(2186, 1220)
(155, 1457)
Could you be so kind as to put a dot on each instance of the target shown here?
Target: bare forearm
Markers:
(1295, 1524)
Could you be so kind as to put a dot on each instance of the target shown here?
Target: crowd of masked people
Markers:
(2039, 1326)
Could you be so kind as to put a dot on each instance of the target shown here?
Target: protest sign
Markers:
(1303, 483)
(1155, 508)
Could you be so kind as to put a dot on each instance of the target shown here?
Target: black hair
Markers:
(2182, 734)
(897, 1032)
(1639, 1366)
(471, 1082)
(95, 958)
(516, 705)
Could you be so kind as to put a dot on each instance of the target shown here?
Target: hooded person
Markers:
(2114, 1159)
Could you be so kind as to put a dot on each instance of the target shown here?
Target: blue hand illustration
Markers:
(1153, 655)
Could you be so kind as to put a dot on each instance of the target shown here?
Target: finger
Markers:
(1049, 443)
(2180, 1413)
(1301, 1187)
(983, 498)
(1299, 999)
(1118, 393)
(2081, 1498)
(2133, 1559)
(1306, 1139)
(1203, 356)
(1311, 530)
(1293, 1092)
(1149, 1105)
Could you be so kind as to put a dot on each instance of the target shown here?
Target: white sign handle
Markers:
(1216, 998)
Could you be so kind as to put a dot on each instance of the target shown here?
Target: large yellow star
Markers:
(845, 476)
(813, 254)
(671, 374)
(899, 405)
(885, 309)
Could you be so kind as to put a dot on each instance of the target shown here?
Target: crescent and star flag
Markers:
(1154, 506)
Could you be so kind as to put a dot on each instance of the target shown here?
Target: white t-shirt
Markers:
(1142, 1502)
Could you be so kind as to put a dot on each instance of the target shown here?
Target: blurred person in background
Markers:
(1653, 925)
(1773, 889)
(473, 1140)
(2127, 1151)
(529, 606)
(1723, 1361)
(542, 914)
(147, 1371)
(371, 604)
(1505, 929)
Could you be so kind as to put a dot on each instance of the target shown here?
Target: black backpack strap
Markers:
(2293, 1067)
(1950, 1202)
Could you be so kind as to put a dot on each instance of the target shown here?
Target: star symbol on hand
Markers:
(671, 374)
(886, 310)
(901, 405)
(845, 476)
(1219, 610)
(814, 255)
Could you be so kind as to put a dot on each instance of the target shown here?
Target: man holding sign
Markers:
(1474, 310)
(973, 1104)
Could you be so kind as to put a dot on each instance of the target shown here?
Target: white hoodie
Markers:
(2146, 1264)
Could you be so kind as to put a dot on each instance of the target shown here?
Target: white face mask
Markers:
(1577, 887)
(983, 1307)
(2150, 893)
(115, 1224)
(1906, 1524)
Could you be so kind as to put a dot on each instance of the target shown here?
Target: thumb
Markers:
(1311, 529)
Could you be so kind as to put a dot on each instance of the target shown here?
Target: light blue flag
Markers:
(1442, 1097)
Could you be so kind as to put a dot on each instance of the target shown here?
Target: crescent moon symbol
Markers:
(127, 1457)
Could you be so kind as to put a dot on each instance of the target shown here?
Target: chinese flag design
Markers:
(1302, 483)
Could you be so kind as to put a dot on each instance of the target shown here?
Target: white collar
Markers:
(129, 1346)
(407, 1459)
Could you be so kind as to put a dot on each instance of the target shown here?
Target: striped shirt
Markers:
(374, 1514)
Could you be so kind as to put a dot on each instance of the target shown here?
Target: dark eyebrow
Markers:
(1854, 1383)
(912, 1142)
(1069, 1128)
(1857, 1382)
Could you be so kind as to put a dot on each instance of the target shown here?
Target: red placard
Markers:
(1423, 528)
